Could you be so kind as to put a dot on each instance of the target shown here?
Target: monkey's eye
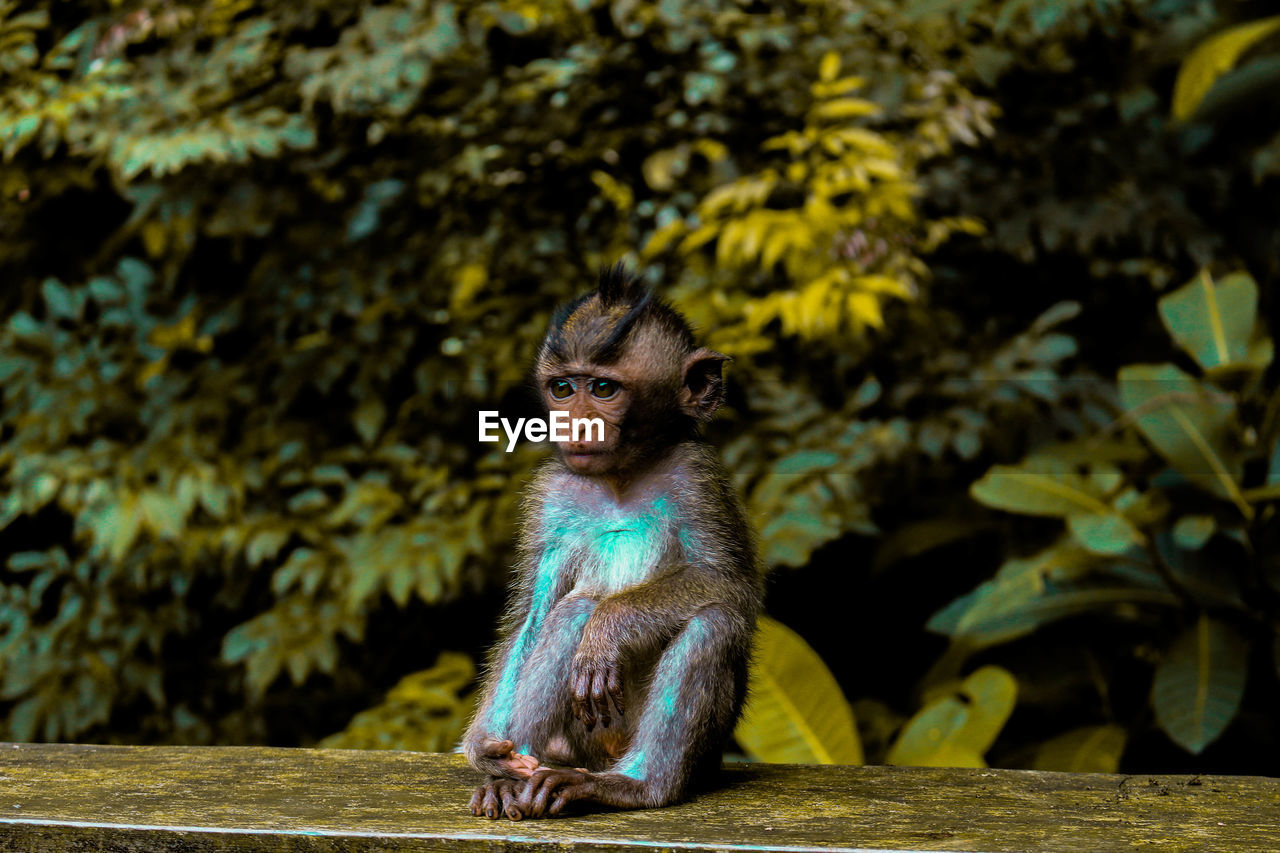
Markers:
(604, 388)
(560, 388)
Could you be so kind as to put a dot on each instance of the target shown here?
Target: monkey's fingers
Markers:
(563, 798)
(557, 804)
(496, 798)
(600, 697)
(529, 802)
(615, 690)
(546, 788)
(581, 699)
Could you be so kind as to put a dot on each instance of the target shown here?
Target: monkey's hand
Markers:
(499, 758)
(550, 789)
(497, 798)
(595, 682)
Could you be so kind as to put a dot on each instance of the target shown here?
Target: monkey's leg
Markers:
(691, 707)
(541, 704)
(539, 709)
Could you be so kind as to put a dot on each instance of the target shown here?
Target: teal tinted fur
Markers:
(666, 688)
(606, 549)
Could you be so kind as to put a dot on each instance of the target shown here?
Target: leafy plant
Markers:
(264, 261)
(305, 238)
(1166, 511)
(425, 712)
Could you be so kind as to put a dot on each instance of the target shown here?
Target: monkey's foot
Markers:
(497, 798)
(550, 789)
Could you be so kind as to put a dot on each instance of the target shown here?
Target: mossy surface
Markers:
(55, 796)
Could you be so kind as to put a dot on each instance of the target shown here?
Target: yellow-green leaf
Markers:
(829, 67)
(956, 730)
(795, 711)
(1039, 487)
(468, 281)
(1088, 749)
(839, 108)
(368, 419)
(1213, 58)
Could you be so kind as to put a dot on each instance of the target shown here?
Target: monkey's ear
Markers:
(703, 389)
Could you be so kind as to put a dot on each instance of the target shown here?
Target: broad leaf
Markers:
(1088, 749)
(1039, 486)
(957, 729)
(1199, 684)
(1192, 531)
(795, 711)
(1209, 579)
(988, 616)
(1111, 534)
(1214, 323)
(1027, 593)
(1187, 423)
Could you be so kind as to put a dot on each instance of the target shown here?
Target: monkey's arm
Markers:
(485, 747)
(638, 621)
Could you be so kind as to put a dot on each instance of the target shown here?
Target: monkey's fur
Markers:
(623, 652)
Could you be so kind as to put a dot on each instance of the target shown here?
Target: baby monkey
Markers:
(621, 666)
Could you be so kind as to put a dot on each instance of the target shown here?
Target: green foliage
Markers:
(1170, 527)
(1197, 687)
(309, 232)
(265, 261)
(425, 712)
(1213, 58)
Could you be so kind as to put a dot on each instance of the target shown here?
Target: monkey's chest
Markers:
(609, 549)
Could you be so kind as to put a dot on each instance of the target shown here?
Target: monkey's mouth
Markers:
(581, 457)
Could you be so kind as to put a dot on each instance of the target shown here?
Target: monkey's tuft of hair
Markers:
(598, 325)
(617, 284)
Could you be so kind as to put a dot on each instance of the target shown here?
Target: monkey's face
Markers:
(589, 392)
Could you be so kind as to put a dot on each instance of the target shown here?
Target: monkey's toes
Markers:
(496, 798)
